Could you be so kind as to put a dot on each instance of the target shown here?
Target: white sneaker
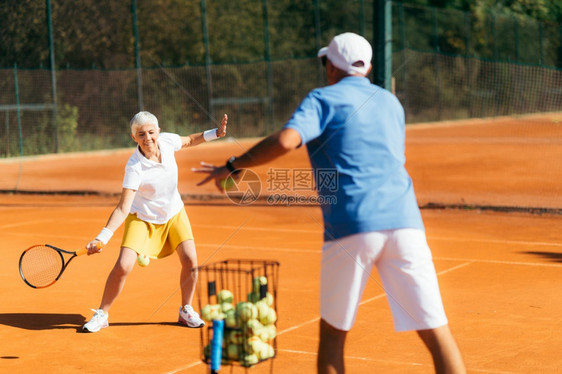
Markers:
(98, 321)
(188, 317)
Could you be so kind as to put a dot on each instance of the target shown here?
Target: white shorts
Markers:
(406, 269)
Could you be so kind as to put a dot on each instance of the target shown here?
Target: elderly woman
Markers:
(156, 224)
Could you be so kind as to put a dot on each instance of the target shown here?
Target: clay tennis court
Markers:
(491, 196)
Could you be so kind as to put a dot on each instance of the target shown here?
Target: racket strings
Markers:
(41, 265)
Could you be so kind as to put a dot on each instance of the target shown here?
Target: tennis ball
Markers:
(253, 344)
(231, 319)
(259, 281)
(253, 297)
(228, 183)
(253, 327)
(250, 360)
(206, 312)
(233, 351)
(268, 333)
(225, 296)
(216, 312)
(143, 260)
(212, 311)
(268, 299)
(271, 332)
(246, 311)
(235, 337)
(269, 318)
(266, 351)
(226, 307)
(262, 308)
(207, 351)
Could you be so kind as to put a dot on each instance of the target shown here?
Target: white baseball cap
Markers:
(349, 52)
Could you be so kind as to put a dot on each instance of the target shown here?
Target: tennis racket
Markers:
(42, 265)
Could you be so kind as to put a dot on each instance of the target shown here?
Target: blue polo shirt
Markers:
(355, 136)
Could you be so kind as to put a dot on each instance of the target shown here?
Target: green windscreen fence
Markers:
(191, 61)
(95, 106)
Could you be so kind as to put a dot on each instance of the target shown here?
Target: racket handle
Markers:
(81, 252)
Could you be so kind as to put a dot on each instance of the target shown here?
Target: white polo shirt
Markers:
(157, 198)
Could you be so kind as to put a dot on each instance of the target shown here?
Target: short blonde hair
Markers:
(143, 118)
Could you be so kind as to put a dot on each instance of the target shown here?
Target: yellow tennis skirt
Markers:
(156, 240)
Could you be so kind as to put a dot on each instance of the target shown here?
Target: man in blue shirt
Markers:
(356, 130)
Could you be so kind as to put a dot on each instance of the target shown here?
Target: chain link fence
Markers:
(72, 78)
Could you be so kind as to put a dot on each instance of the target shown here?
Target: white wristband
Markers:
(210, 135)
(104, 235)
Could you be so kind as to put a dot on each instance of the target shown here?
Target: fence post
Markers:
(18, 113)
(437, 62)
(404, 67)
(517, 42)
(138, 64)
(541, 42)
(53, 75)
(468, 47)
(207, 59)
(267, 56)
(382, 48)
(318, 35)
(362, 17)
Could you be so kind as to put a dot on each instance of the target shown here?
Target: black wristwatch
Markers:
(231, 167)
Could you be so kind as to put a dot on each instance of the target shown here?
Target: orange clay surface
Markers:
(499, 272)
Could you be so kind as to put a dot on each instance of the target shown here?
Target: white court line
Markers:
(192, 365)
(497, 241)
(548, 265)
(483, 140)
(253, 228)
(26, 223)
(233, 246)
(379, 360)
(319, 251)
(357, 358)
(394, 362)
(379, 296)
(315, 320)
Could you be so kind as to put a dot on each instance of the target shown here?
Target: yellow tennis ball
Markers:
(227, 184)
(262, 308)
(268, 333)
(233, 351)
(231, 320)
(267, 351)
(268, 299)
(225, 296)
(246, 311)
(269, 318)
(250, 360)
(258, 282)
(227, 307)
(253, 297)
(143, 260)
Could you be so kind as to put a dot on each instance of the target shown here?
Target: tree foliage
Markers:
(99, 33)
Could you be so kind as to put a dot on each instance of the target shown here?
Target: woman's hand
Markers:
(221, 130)
(93, 247)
